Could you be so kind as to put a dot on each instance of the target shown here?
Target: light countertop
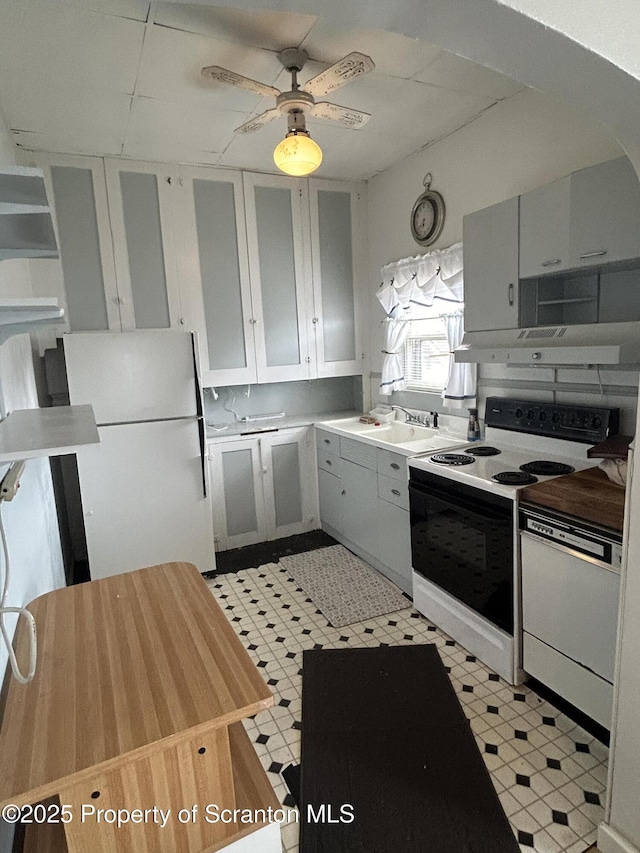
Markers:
(288, 422)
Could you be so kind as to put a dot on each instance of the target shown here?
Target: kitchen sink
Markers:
(401, 437)
(397, 432)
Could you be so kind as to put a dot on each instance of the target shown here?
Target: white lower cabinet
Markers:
(364, 503)
(264, 487)
(360, 487)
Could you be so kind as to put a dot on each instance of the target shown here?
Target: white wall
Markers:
(523, 142)
(31, 522)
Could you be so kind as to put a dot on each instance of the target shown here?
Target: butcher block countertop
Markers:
(588, 495)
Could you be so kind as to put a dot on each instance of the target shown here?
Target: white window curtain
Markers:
(460, 390)
(419, 281)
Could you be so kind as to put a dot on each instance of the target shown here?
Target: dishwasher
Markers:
(570, 590)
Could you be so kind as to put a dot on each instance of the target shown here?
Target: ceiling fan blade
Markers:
(344, 115)
(348, 68)
(258, 121)
(223, 75)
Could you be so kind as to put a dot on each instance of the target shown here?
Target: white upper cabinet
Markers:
(264, 267)
(214, 274)
(141, 213)
(84, 278)
(605, 214)
(544, 229)
(490, 248)
(336, 212)
(278, 239)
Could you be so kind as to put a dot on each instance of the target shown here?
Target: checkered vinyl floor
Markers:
(549, 773)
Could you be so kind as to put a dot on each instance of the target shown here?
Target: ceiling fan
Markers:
(298, 154)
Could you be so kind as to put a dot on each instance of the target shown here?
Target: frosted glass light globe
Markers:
(297, 154)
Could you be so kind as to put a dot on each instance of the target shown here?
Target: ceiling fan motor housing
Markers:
(299, 101)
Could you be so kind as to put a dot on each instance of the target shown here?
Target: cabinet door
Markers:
(336, 240)
(395, 542)
(214, 274)
(361, 507)
(490, 247)
(605, 213)
(289, 481)
(544, 229)
(84, 278)
(237, 472)
(331, 500)
(140, 210)
(277, 229)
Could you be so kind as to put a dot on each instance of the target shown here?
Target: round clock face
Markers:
(423, 219)
(427, 218)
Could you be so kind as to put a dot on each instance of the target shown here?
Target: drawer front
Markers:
(327, 441)
(329, 462)
(394, 491)
(392, 464)
(358, 452)
(573, 682)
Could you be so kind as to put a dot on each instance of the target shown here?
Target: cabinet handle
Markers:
(343, 492)
(328, 461)
(308, 359)
(395, 492)
(327, 441)
(552, 263)
(253, 321)
(315, 320)
(395, 466)
(593, 254)
(510, 293)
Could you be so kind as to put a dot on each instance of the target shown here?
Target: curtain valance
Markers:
(422, 279)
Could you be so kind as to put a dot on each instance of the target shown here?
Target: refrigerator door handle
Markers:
(200, 411)
(196, 374)
(203, 454)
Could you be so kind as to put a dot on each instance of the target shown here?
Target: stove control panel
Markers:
(588, 424)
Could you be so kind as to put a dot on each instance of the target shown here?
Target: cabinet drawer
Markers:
(358, 452)
(327, 441)
(584, 689)
(329, 462)
(393, 491)
(392, 464)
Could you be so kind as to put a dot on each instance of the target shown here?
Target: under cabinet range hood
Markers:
(599, 343)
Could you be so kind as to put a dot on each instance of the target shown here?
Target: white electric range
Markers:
(464, 520)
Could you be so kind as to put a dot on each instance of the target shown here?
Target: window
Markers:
(426, 350)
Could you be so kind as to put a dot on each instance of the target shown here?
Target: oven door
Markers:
(462, 540)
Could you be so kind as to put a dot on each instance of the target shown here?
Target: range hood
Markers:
(601, 343)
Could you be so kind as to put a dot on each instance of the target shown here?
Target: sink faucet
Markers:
(410, 418)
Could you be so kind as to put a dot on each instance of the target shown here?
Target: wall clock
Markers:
(427, 216)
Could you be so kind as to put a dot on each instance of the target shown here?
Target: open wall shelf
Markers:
(32, 433)
(26, 226)
(26, 313)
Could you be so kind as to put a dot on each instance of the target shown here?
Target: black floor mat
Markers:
(291, 775)
(389, 762)
(252, 556)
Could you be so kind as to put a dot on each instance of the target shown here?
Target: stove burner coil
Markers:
(452, 459)
(484, 450)
(545, 467)
(514, 478)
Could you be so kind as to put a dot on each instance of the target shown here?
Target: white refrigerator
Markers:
(144, 490)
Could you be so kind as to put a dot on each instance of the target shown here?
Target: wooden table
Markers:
(137, 701)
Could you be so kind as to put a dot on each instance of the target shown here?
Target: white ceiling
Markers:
(122, 77)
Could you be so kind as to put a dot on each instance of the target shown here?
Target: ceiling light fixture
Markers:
(297, 154)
